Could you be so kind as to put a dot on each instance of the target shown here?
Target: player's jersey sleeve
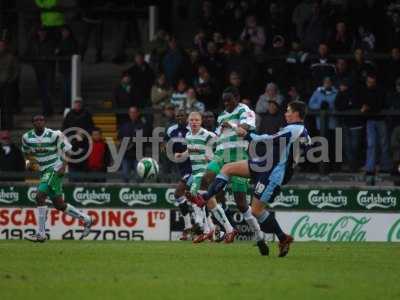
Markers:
(25, 147)
(64, 144)
(248, 117)
(265, 137)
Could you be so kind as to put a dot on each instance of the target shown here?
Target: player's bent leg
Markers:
(269, 224)
(184, 208)
(238, 168)
(220, 216)
(72, 211)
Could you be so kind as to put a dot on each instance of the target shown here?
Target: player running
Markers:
(47, 147)
(268, 173)
(199, 152)
(233, 125)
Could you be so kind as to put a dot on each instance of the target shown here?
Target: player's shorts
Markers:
(51, 183)
(238, 184)
(267, 184)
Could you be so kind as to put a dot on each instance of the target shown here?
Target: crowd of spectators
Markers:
(326, 53)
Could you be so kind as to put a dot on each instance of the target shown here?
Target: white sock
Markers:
(187, 221)
(210, 223)
(77, 214)
(198, 216)
(253, 224)
(42, 216)
(220, 215)
(206, 227)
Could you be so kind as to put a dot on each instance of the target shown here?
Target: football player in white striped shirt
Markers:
(48, 147)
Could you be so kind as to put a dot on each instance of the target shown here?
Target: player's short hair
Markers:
(231, 92)
(38, 116)
(96, 129)
(300, 107)
(196, 113)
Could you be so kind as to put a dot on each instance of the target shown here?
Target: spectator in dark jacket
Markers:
(315, 29)
(11, 158)
(131, 129)
(65, 49)
(214, 62)
(352, 126)
(392, 68)
(342, 73)
(322, 65)
(271, 121)
(142, 79)
(373, 99)
(173, 62)
(123, 94)
(341, 40)
(100, 158)
(206, 89)
(9, 70)
(78, 117)
(360, 69)
(40, 49)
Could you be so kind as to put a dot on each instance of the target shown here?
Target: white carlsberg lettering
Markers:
(286, 200)
(170, 196)
(369, 199)
(322, 199)
(9, 196)
(132, 197)
(86, 196)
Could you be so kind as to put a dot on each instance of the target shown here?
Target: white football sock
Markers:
(220, 215)
(42, 216)
(187, 221)
(77, 214)
(210, 223)
(253, 224)
(206, 227)
(198, 216)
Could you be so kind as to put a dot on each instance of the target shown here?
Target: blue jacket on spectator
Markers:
(323, 98)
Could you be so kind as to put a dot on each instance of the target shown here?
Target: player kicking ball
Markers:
(268, 173)
(199, 152)
(47, 147)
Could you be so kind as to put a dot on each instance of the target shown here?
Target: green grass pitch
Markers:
(180, 270)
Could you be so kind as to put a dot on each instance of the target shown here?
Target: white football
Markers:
(147, 168)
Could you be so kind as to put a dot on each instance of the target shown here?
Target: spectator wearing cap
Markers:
(142, 78)
(9, 70)
(352, 126)
(324, 98)
(11, 158)
(372, 99)
(78, 117)
(160, 92)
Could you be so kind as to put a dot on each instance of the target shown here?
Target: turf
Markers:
(180, 270)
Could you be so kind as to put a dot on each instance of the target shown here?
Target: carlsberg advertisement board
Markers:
(341, 227)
